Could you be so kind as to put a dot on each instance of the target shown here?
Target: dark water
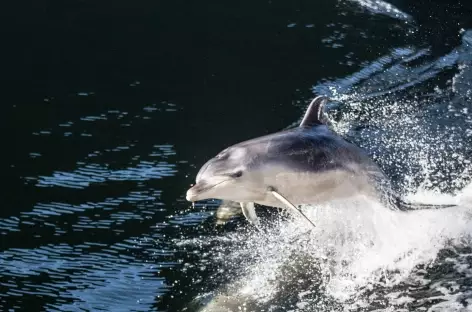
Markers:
(110, 108)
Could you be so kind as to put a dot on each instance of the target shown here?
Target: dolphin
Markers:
(309, 164)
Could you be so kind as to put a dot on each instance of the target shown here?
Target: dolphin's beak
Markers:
(201, 190)
(192, 194)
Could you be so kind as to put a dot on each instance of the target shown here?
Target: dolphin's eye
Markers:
(236, 174)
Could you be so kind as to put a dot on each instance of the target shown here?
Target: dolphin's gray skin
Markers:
(308, 165)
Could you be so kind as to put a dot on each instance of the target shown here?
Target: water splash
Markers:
(363, 256)
(357, 247)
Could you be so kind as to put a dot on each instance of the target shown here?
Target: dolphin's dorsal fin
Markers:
(314, 112)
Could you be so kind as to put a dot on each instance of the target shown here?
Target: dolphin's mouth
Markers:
(195, 192)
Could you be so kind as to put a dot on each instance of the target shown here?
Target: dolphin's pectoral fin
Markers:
(314, 114)
(288, 204)
(249, 212)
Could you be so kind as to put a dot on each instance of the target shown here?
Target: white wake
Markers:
(356, 248)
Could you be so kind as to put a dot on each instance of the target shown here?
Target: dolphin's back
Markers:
(316, 149)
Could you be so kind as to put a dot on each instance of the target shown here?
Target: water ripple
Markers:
(82, 277)
(383, 7)
(43, 212)
(84, 176)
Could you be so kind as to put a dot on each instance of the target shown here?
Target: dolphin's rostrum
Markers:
(309, 164)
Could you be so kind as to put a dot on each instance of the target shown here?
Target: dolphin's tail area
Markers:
(389, 196)
(403, 205)
(463, 198)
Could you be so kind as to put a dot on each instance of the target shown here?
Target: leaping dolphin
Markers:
(309, 164)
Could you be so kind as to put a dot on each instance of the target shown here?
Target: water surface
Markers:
(110, 109)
